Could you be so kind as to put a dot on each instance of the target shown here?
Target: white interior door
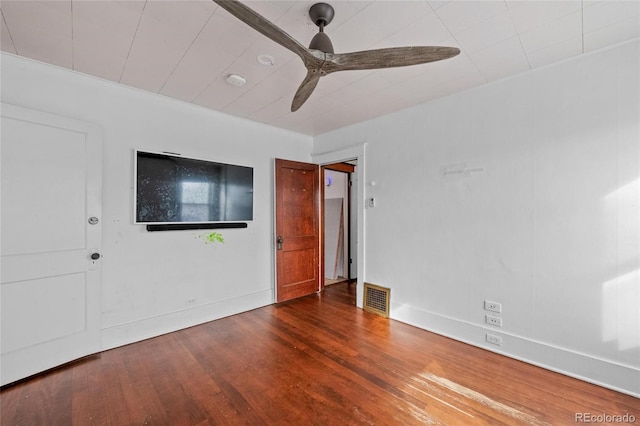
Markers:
(49, 283)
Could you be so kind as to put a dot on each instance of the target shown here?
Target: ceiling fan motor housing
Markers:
(321, 14)
(321, 42)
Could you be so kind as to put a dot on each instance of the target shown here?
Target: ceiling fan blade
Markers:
(306, 88)
(387, 58)
(270, 30)
(319, 62)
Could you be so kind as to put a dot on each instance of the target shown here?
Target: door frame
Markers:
(354, 152)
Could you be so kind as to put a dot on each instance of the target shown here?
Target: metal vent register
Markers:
(376, 299)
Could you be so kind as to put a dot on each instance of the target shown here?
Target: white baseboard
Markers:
(147, 328)
(602, 372)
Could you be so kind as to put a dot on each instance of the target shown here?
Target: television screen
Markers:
(175, 189)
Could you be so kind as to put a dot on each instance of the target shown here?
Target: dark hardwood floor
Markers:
(317, 360)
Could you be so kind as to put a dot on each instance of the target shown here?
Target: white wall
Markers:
(547, 224)
(148, 277)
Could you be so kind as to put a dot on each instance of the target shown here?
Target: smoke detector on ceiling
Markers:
(236, 80)
(265, 59)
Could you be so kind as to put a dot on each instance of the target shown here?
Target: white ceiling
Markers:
(185, 49)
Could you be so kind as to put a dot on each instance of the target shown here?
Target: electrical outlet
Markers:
(493, 339)
(490, 319)
(492, 306)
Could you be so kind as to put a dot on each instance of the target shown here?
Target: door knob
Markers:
(279, 241)
(95, 256)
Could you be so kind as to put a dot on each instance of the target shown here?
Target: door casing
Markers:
(355, 152)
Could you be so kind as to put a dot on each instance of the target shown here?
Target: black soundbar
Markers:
(191, 226)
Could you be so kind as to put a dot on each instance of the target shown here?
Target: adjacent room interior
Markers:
(340, 222)
(495, 193)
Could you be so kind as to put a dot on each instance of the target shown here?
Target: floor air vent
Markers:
(376, 299)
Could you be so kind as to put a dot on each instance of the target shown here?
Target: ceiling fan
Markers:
(320, 59)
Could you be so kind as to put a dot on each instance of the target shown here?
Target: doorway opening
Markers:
(354, 154)
(339, 222)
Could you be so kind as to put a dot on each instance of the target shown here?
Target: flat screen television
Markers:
(172, 189)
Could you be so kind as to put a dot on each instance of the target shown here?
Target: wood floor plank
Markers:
(317, 360)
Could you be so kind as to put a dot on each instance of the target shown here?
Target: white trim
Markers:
(606, 373)
(136, 331)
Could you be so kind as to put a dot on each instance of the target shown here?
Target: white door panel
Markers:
(50, 287)
(38, 265)
(59, 164)
(44, 296)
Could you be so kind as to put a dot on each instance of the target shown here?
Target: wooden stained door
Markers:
(297, 229)
(51, 236)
